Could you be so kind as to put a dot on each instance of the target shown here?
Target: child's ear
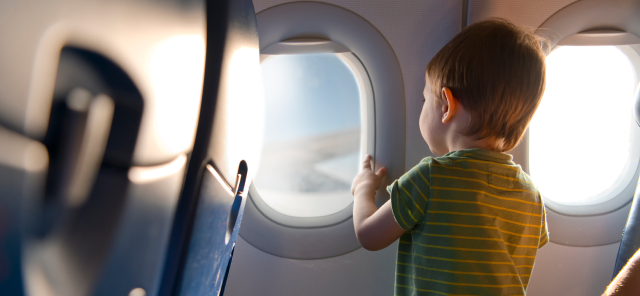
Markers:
(450, 105)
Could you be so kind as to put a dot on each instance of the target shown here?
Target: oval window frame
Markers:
(622, 195)
(305, 238)
(583, 230)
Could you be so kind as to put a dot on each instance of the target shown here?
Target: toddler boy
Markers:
(469, 222)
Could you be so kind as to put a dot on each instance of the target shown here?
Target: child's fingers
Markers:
(366, 164)
(381, 172)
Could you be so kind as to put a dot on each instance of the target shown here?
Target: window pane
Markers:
(312, 135)
(581, 135)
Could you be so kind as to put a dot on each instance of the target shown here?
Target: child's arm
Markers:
(375, 228)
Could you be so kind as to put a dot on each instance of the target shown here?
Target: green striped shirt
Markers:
(474, 223)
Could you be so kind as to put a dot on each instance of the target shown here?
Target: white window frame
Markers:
(593, 22)
(302, 27)
(621, 195)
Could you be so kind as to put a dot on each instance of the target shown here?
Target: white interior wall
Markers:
(521, 12)
(572, 271)
(360, 272)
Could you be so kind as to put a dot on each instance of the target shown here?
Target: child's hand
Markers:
(375, 228)
(367, 180)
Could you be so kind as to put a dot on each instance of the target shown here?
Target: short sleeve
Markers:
(544, 232)
(409, 196)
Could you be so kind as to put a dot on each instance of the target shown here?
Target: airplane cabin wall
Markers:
(416, 30)
(529, 14)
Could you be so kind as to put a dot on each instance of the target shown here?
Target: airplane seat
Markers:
(123, 153)
(224, 156)
(631, 236)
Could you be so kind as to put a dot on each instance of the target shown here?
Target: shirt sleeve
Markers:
(544, 232)
(409, 196)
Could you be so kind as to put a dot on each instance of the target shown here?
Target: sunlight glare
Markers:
(176, 70)
(245, 111)
(580, 137)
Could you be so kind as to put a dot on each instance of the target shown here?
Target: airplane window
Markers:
(581, 136)
(312, 134)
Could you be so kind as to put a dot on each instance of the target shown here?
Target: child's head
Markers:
(496, 72)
